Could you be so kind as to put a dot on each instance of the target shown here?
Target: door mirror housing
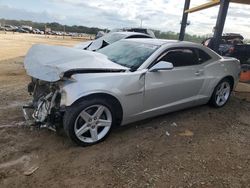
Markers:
(161, 65)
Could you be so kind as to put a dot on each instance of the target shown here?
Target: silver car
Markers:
(89, 93)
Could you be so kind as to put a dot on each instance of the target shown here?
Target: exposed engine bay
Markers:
(44, 109)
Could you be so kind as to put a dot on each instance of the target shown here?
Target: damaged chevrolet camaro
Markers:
(89, 93)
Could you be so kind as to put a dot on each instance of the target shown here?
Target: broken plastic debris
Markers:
(167, 133)
(186, 133)
(174, 124)
(30, 171)
(162, 123)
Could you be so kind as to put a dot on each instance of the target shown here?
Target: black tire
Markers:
(73, 112)
(213, 98)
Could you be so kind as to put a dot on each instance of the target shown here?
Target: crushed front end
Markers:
(44, 110)
(52, 85)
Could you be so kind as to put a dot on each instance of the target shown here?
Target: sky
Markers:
(164, 15)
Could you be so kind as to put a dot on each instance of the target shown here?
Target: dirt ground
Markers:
(198, 147)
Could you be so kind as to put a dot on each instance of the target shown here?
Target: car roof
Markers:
(129, 33)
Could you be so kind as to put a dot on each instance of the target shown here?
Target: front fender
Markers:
(126, 87)
(73, 91)
(69, 97)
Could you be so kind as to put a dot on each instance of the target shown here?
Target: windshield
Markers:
(112, 37)
(130, 54)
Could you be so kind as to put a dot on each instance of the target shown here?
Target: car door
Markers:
(177, 88)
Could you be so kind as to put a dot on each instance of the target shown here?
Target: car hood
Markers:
(51, 63)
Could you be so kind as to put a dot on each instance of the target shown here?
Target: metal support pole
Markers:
(184, 20)
(224, 4)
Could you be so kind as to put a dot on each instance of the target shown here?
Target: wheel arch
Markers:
(228, 77)
(108, 97)
(231, 80)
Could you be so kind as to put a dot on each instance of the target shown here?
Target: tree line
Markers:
(93, 30)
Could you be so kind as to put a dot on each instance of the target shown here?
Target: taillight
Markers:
(231, 50)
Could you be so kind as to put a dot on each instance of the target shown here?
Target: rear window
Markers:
(203, 56)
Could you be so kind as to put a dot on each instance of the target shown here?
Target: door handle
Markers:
(198, 72)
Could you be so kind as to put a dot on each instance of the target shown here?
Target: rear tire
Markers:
(221, 93)
(89, 121)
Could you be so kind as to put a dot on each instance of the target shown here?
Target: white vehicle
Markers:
(109, 39)
(37, 31)
(136, 29)
(27, 28)
(89, 93)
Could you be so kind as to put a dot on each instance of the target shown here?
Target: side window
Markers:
(180, 57)
(203, 56)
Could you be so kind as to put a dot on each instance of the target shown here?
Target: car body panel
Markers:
(127, 87)
(160, 86)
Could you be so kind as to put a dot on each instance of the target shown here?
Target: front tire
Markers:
(89, 121)
(221, 93)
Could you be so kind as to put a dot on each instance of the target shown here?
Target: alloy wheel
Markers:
(222, 93)
(93, 123)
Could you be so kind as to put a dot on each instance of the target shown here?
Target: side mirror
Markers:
(161, 65)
